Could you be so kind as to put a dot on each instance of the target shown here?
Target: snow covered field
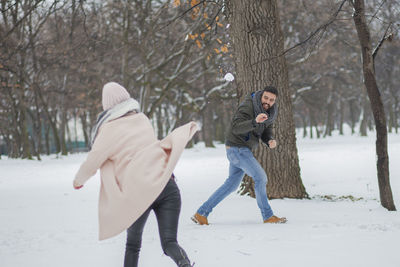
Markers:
(44, 222)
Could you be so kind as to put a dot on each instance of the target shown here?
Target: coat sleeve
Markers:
(268, 134)
(244, 121)
(95, 158)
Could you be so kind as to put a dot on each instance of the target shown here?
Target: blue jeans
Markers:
(241, 161)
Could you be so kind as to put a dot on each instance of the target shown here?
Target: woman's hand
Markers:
(77, 186)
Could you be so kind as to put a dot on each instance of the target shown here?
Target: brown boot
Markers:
(275, 219)
(199, 219)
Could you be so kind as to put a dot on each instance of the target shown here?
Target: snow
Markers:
(229, 77)
(44, 222)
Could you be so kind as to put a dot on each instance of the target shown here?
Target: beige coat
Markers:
(134, 168)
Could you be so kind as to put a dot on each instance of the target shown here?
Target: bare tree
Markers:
(374, 96)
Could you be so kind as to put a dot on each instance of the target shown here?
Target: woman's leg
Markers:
(167, 208)
(134, 240)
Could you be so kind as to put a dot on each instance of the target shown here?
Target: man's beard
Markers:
(266, 106)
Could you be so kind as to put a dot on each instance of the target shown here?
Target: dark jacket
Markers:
(244, 131)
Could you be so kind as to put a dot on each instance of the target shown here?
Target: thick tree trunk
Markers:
(258, 41)
(376, 105)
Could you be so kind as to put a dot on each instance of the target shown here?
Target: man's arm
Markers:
(268, 135)
(243, 121)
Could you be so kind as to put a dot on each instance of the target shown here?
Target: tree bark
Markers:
(160, 124)
(208, 126)
(83, 118)
(304, 120)
(378, 111)
(53, 123)
(352, 115)
(341, 112)
(329, 126)
(258, 42)
(364, 119)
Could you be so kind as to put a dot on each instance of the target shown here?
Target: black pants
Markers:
(167, 208)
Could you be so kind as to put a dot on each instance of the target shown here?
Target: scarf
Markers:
(113, 113)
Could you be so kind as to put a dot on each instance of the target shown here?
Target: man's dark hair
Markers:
(271, 89)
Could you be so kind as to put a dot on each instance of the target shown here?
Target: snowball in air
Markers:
(229, 77)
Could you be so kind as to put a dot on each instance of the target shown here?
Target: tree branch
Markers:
(383, 39)
(320, 29)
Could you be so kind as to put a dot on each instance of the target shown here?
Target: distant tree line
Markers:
(172, 57)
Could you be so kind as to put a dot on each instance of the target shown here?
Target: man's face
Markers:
(268, 100)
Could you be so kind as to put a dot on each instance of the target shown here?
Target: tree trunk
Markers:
(38, 128)
(391, 117)
(352, 115)
(329, 116)
(64, 150)
(224, 112)
(341, 112)
(47, 138)
(22, 124)
(304, 119)
(52, 122)
(258, 41)
(63, 115)
(207, 112)
(378, 111)
(159, 119)
(83, 118)
(208, 124)
(364, 120)
(311, 123)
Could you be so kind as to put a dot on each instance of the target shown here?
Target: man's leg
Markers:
(230, 185)
(250, 165)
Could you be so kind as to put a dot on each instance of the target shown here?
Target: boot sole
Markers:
(196, 221)
(283, 220)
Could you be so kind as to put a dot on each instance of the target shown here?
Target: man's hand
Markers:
(77, 186)
(261, 117)
(272, 143)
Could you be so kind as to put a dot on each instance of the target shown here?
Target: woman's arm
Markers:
(96, 157)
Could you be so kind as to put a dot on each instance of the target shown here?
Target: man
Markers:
(253, 120)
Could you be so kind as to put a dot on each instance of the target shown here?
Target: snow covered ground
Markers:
(44, 222)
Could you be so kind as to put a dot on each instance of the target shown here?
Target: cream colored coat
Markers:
(134, 168)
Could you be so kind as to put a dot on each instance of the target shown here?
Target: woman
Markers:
(136, 174)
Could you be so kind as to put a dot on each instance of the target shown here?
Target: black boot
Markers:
(184, 263)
